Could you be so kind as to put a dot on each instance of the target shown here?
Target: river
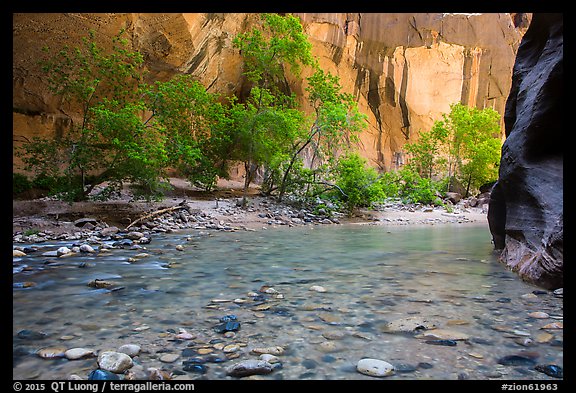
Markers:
(328, 295)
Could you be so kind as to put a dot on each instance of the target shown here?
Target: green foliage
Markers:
(191, 121)
(20, 183)
(267, 49)
(110, 142)
(128, 131)
(335, 126)
(410, 187)
(474, 143)
(426, 152)
(465, 144)
(31, 231)
(265, 127)
(358, 184)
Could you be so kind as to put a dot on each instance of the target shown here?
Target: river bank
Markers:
(185, 208)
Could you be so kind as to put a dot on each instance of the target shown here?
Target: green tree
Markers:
(192, 122)
(269, 52)
(425, 153)
(473, 144)
(267, 49)
(464, 145)
(109, 142)
(265, 125)
(335, 125)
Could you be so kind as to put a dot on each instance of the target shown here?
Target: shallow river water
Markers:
(326, 295)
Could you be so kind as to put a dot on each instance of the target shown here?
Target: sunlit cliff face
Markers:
(404, 69)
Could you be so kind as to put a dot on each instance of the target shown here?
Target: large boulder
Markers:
(526, 205)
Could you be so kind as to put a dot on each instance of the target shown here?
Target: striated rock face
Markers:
(404, 69)
(526, 207)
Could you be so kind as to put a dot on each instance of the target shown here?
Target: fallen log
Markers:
(156, 213)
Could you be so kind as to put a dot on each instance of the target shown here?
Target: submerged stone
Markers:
(26, 334)
(445, 343)
(551, 370)
(51, 352)
(404, 368)
(195, 368)
(443, 334)
(374, 367)
(249, 367)
(102, 375)
(227, 327)
(409, 325)
(516, 360)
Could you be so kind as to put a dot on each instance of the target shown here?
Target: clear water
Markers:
(372, 275)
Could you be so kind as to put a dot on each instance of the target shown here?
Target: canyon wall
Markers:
(404, 69)
(526, 213)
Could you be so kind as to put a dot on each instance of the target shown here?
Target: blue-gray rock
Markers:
(445, 343)
(551, 370)
(404, 368)
(102, 375)
(195, 368)
(26, 334)
(231, 326)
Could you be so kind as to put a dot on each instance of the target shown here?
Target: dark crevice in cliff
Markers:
(466, 77)
(389, 86)
(374, 104)
(402, 100)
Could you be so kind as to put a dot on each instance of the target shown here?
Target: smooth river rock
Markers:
(79, 353)
(130, 349)
(277, 350)
(51, 352)
(375, 367)
(115, 362)
(249, 367)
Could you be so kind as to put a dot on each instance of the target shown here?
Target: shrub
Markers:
(409, 186)
(359, 184)
(20, 183)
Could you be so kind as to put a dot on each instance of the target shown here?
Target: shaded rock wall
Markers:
(404, 69)
(526, 208)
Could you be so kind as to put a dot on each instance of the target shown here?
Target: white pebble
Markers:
(375, 367)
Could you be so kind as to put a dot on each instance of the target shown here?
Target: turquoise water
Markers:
(372, 275)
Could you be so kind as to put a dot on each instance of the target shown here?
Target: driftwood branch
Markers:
(156, 213)
(330, 185)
